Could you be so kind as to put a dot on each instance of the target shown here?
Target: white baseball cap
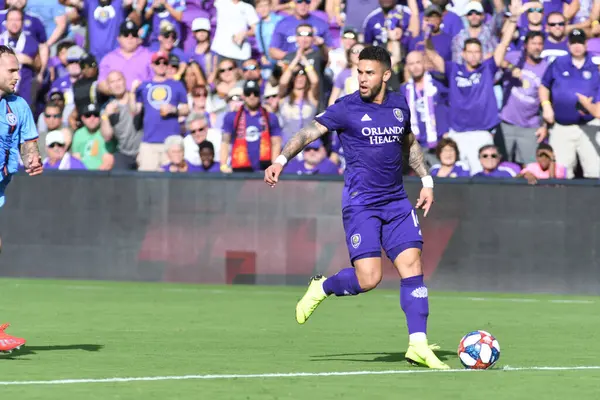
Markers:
(473, 6)
(55, 137)
(201, 24)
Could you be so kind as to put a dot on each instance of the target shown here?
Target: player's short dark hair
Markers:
(64, 45)
(533, 34)
(555, 13)
(14, 9)
(487, 146)
(472, 41)
(376, 53)
(6, 50)
(447, 142)
(205, 144)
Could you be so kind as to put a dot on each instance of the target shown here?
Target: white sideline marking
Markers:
(285, 375)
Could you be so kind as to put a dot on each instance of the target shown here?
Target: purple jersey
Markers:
(214, 167)
(442, 43)
(370, 133)
(103, 25)
(452, 24)
(459, 170)
(376, 24)
(472, 93)
(553, 50)
(284, 36)
(162, 16)
(153, 95)
(325, 167)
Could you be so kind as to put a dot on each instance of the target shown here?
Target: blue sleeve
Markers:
(274, 125)
(27, 128)
(333, 117)
(548, 78)
(228, 123)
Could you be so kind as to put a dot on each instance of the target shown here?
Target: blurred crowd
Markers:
(221, 85)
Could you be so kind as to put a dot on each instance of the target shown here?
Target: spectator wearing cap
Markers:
(556, 43)
(299, 93)
(57, 155)
(207, 157)
(198, 131)
(314, 161)
(26, 48)
(390, 20)
(236, 21)
(117, 123)
(569, 84)
(166, 44)
(156, 12)
(88, 144)
(85, 89)
(347, 81)
(427, 100)
(130, 58)
(57, 65)
(265, 27)
(452, 24)
(442, 41)
(476, 29)
(105, 23)
(163, 101)
(489, 157)
(176, 162)
(173, 67)
(271, 98)
(193, 9)
(337, 59)
(252, 133)
(57, 97)
(202, 54)
(52, 120)
(285, 34)
(544, 167)
(65, 84)
(308, 58)
(522, 126)
(471, 91)
(233, 102)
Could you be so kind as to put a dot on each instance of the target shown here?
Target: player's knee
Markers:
(368, 279)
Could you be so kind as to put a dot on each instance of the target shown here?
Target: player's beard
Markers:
(372, 93)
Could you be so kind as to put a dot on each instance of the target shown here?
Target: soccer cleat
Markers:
(9, 343)
(312, 298)
(421, 354)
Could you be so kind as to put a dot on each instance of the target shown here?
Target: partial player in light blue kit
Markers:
(374, 127)
(18, 134)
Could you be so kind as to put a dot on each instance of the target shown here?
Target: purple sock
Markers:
(344, 283)
(415, 303)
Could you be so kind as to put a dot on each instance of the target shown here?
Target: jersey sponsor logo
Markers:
(420, 292)
(11, 119)
(398, 114)
(379, 135)
(355, 240)
(366, 118)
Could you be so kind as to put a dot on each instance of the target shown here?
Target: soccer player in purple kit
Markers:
(374, 127)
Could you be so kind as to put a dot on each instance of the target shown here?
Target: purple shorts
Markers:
(393, 226)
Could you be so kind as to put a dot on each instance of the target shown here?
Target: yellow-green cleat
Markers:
(421, 353)
(312, 298)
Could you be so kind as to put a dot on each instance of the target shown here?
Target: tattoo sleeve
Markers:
(29, 151)
(309, 133)
(416, 158)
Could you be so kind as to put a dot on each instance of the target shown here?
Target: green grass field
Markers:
(99, 330)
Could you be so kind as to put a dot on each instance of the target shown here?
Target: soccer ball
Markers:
(478, 350)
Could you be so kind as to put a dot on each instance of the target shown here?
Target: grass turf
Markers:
(93, 330)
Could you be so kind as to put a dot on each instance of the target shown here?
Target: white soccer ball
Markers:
(478, 350)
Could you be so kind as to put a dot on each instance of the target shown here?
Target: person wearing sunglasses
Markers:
(89, 145)
(58, 156)
(555, 43)
(314, 161)
(534, 13)
(569, 92)
(131, 58)
(471, 90)
(347, 81)
(477, 28)
(251, 136)
(522, 126)
(236, 22)
(158, 15)
(65, 84)
(442, 41)
(285, 34)
(167, 43)
(252, 71)
(52, 120)
(489, 157)
(163, 101)
(198, 130)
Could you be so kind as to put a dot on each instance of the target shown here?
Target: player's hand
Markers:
(425, 200)
(34, 165)
(272, 174)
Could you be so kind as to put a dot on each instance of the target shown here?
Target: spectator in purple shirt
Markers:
(442, 41)
(130, 58)
(284, 36)
(57, 65)
(207, 156)
(104, 19)
(535, 18)
(58, 157)
(449, 166)
(522, 126)
(472, 91)
(556, 44)
(315, 162)
(452, 24)
(389, 17)
(166, 44)
(490, 160)
(156, 12)
(174, 149)
(202, 54)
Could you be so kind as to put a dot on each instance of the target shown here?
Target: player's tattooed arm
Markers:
(30, 154)
(416, 158)
(306, 135)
